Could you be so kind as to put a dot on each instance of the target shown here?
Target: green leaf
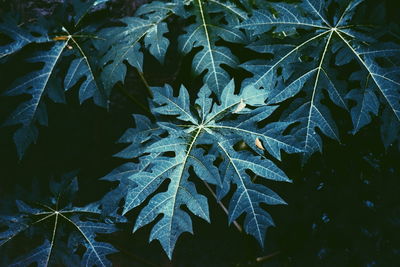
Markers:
(248, 195)
(35, 84)
(84, 225)
(20, 37)
(308, 49)
(122, 44)
(189, 142)
(85, 67)
(205, 32)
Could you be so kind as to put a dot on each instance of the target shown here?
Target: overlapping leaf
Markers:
(60, 229)
(189, 136)
(308, 51)
(19, 37)
(307, 46)
(122, 44)
(84, 71)
(205, 32)
(248, 195)
(34, 84)
(45, 81)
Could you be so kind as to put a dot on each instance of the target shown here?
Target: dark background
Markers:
(343, 206)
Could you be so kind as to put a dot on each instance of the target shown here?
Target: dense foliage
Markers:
(228, 97)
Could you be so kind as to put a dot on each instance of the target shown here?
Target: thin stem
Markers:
(237, 225)
(267, 257)
(133, 99)
(45, 206)
(356, 25)
(145, 83)
(52, 238)
(90, 36)
(101, 90)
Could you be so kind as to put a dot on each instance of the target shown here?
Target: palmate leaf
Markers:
(85, 67)
(60, 228)
(35, 84)
(205, 32)
(45, 81)
(192, 137)
(122, 44)
(310, 64)
(248, 195)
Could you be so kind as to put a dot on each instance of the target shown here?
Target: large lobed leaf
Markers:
(34, 84)
(45, 80)
(197, 138)
(122, 44)
(61, 228)
(308, 51)
(209, 27)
